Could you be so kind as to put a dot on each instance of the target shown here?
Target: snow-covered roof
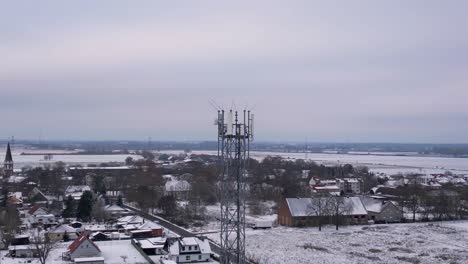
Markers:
(300, 207)
(114, 208)
(130, 219)
(63, 229)
(372, 205)
(77, 188)
(203, 244)
(150, 225)
(355, 205)
(177, 186)
(145, 244)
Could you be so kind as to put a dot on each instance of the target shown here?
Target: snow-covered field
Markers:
(396, 243)
(377, 163)
(38, 160)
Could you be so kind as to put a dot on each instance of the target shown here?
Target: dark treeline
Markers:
(450, 202)
(122, 146)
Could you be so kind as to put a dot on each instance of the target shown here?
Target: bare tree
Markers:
(320, 207)
(9, 222)
(339, 207)
(98, 212)
(42, 245)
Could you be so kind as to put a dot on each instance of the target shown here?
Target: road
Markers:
(172, 227)
(175, 228)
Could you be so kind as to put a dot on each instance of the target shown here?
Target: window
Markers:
(187, 258)
(183, 248)
(199, 257)
(196, 247)
(189, 247)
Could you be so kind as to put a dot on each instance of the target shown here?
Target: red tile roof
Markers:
(33, 209)
(76, 244)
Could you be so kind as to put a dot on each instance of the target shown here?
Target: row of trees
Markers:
(86, 209)
(448, 203)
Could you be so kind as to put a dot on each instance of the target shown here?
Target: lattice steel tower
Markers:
(235, 132)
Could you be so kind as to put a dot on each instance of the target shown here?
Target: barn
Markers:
(300, 212)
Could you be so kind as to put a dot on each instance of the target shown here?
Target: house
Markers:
(155, 229)
(75, 191)
(62, 232)
(38, 215)
(100, 236)
(151, 246)
(37, 210)
(382, 211)
(116, 211)
(83, 247)
(130, 222)
(299, 211)
(350, 185)
(189, 249)
(22, 251)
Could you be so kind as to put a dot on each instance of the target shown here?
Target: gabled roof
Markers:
(63, 229)
(300, 207)
(76, 244)
(8, 157)
(36, 207)
(114, 208)
(203, 245)
(149, 225)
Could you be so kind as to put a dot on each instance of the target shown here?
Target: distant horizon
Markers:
(58, 140)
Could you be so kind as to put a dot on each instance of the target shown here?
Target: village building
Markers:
(300, 212)
(8, 163)
(382, 211)
(151, 246)
(336, 186)
(154, 229)
(115, 211)
(189, 249)
(82, 247)
(38, 215)
(62, 232)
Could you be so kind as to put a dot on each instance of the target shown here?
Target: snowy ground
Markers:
(213, 213)
(112, 251)
(397, 243)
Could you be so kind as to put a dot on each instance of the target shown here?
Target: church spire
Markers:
(8, 164)
(8, 157)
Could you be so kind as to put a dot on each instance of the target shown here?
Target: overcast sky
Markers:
(345, 71)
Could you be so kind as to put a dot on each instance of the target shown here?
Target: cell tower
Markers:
(235, 132)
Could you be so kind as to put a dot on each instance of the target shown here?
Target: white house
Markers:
(40, 216)
(61, 232)
(116, 211)
(83, 247)
(189, 249)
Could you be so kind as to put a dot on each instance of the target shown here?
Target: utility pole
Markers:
(235, 132)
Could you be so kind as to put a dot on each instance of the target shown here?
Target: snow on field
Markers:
(38, 160)
(396, 243)
(389, 164)
(112, 251)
